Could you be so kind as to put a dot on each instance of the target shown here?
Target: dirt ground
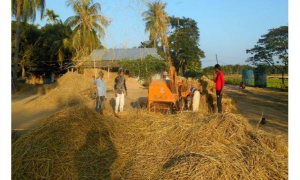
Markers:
(25, 118)
(252, 102)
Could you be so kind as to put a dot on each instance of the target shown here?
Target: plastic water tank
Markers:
(247, 77)
(260, 78)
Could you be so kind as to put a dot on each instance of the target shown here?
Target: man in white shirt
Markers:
(120, 90)
(101, 93)
(195, 94)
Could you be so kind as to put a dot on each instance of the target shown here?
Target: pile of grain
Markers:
(77, 143)
(71, 89)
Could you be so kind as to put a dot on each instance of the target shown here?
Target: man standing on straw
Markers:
(220, 83)
(120, 91)
(195, 94)
(101, 93)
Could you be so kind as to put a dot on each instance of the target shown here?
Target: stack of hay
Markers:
(77, 143)
(72, 144)
(71, 89)
(208, 99)
(196, 146)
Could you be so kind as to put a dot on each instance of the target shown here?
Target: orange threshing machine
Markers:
(167, 95)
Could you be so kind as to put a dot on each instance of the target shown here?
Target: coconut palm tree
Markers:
(24, 10)
(52, 16)
(88, 26)
(156, 21)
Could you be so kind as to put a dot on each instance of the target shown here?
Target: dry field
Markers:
(252, 102)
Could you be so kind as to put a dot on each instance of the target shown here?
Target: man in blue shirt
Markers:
(101, 93)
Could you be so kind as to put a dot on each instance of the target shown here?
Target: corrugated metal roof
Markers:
(118, 54)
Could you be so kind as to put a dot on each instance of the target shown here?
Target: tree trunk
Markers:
(282, 80)
(17, 43)
(23, 71)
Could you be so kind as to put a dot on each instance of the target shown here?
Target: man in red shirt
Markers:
(220, 83)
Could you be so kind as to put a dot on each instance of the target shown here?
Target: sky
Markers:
(227, 27)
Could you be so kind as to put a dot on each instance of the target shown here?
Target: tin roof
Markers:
(118, 54)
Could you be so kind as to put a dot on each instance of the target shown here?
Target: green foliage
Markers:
(275, 43)
(184, 45)
(272, 46)
(39, 46)
(51, 16)
(28, 9)
(143, 68)
(30, 37)
(156, 22)
(192, 73)
(88, 26)
(56, 45)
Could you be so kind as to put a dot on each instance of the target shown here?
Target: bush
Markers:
(143, 68)
(197, 74)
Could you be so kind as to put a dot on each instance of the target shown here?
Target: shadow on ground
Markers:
(94, 158)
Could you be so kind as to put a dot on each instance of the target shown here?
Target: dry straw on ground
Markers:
(72, 88)
(77, 143)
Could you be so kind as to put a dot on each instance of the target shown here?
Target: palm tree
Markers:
(87, 26)
(24, 10)
(62, 46)
(51, 16)
(157, 21)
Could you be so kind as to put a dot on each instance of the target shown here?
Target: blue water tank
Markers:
(247, 77)
(260, 78)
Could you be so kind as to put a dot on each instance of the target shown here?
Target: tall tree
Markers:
(24, 10)
(157, 21)
(273, 45)
(56, 43)
(51, 16)
(29, 48)
(88, 26)
(184, 44)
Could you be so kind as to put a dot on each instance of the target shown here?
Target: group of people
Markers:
(120, 90)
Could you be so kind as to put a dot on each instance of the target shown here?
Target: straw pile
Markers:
(208, 98)
(77, 143)
(196, 146)
(71, 144)
(71, 89)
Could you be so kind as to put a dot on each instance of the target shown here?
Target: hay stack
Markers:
(77, 143)
(194, 146)
(72, 144)
(72, 88)
(208, 99)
